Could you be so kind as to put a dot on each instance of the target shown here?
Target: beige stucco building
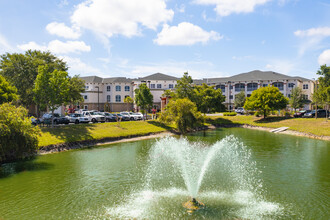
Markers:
(100, 91)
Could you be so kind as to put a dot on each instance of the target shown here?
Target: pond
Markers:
(248, 174)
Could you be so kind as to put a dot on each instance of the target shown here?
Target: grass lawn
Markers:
(81, 132)
(318, 126)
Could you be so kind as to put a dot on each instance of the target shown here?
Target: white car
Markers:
(77, 118)
(94, 116)
(240, 110)
(137, 115)
(128, 114)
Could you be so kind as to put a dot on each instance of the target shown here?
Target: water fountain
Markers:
(180, 170)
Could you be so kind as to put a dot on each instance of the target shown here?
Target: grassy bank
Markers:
(319, 126)
(82, 132)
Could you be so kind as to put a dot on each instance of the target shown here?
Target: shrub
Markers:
(183, 113)
(257, 114)
(18, 137)
(230, 114)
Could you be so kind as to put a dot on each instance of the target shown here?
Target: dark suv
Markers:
(321, 113)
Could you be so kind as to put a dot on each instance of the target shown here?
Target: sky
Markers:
(207, 38)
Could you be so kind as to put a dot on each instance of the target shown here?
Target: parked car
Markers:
(128, 114)
(301, 113)
(240, 110)
(57, 118)
(321, 113)
(137, 115)
(94, 116)
(77, 118)
(123, 117)
(108, 116)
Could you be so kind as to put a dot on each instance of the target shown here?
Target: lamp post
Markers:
(98, 98)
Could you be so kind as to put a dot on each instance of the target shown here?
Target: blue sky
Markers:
(207, 38)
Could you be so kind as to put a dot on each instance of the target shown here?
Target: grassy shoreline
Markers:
(101, 131)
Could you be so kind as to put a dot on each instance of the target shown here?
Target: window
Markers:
(279, 85)
(264, 85)
(252, 86)
(231, 87)
(170, 86)
(248, 95)
(108, 98)
(152, 86)
(85, 97)
(289, 95)
(85, 107)
(159, 86)
(305, 97)
(108, 88)
(222, 87)
(231, 97)
(305, 86)
(127, 88)
(291, 85)
(118, 98)
(118, 88)
(239, 87)
(86, 87)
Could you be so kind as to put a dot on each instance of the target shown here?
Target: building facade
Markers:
(102, 92)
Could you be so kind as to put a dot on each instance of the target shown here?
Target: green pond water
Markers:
(253, 175)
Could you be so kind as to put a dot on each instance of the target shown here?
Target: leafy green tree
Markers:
(297, 99)
(323, 90)
(184, 87)
(208, 99)
(128, 100)
(51, 88)
(240, 99)
(21, 70)
(143, 97)
(168, 93)
(76, 87)
(183, 113)
(18, 138)
(266, 99)
(8, 93)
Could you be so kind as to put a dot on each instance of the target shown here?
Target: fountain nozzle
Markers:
(193, 205)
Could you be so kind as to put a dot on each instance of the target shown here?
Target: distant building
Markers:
(100, 91)
(250, 81)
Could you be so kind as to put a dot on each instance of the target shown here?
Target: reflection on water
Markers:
(110, 182)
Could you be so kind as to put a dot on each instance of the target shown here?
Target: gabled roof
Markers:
(158, 76)
(254, 75)
(92, 79)
(117, 80)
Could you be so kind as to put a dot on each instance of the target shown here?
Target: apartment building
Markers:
(112, 91)
(250, 81)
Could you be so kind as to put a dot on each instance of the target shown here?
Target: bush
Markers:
(183, 113)
(257, 114)
(230, 114)
(18, 137)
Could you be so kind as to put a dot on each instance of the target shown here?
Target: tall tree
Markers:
(8, 93)
(128, 100)
(76, 87)
(240, 99)
(184, 87)
(297, 99)
(22, 69)
(323, 90)
(208, 99)
(143, 97)
(51, 88)
(266, 99)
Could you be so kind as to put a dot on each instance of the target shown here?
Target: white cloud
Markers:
(61, 30)
(4, 45)
(314, 32)
(78, 67)
(281, 66)
(58, 47)
(324, 58)
(125, 17)
(311, 39)
(227, 7)
(185, 34)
